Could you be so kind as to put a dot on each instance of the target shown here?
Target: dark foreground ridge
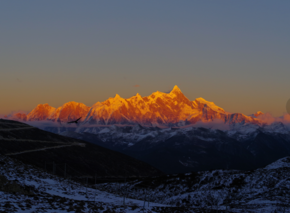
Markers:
(66, 156)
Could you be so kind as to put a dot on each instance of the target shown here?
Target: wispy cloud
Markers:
(269, 119)
(45, 123)
(2, 116)
(215, 124)
(167, 91)
(17, 111)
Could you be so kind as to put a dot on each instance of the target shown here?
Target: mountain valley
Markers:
(186, 156)
(170, 132)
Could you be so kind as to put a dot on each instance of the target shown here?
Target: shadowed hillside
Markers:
(66, 156)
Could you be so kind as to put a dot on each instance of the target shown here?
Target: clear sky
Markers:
(234, 53)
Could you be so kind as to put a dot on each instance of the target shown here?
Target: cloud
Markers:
(43, 124)
(269, 119)
(2, 116)
(17, 111)
(19, 115)
(215, 124)
(136, 85)
(167, 91)
(12, 114)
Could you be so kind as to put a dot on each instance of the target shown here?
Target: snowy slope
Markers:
(265, 189)
(27, 189)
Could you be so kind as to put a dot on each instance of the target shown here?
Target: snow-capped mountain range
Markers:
(158, 109)
(170, 132)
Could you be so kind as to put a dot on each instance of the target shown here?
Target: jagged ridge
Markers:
(157, 109)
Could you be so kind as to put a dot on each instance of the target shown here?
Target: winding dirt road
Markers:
(52, 147)
(20, 128)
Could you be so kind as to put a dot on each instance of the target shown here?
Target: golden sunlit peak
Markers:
(46, 104)
(209, 104)
(117, 96)
(200, 99)
(258, 113)
(175, 89)
(71, 103)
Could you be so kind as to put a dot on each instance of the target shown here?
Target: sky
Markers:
(233, 53)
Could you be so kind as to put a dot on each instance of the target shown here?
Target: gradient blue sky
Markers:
(234, 53)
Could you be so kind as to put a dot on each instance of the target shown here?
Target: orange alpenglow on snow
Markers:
(157, 109)
(40, 112)
(258, 113)
(19, 116)
(69, 111)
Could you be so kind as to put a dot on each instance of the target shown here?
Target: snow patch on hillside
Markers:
(283, 162)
